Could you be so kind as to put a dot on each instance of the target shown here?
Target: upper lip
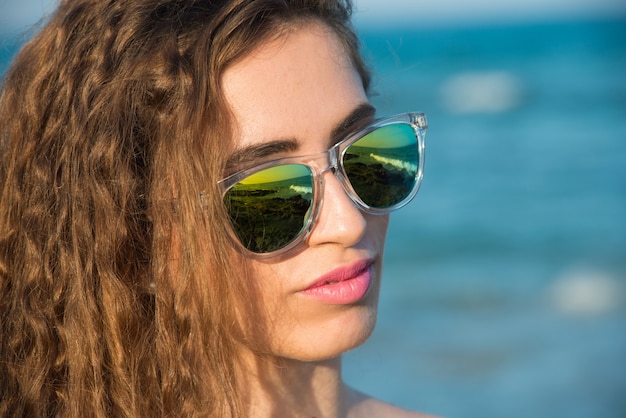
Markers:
(342, 273)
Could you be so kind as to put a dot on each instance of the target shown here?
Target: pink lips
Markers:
(343, 285)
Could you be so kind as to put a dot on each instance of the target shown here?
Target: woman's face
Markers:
(295, 93)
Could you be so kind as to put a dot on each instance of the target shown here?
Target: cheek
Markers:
(377, 226)
(256, 299)
(261, 305)
(279, 322)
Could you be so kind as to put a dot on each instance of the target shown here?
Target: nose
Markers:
(339, 221)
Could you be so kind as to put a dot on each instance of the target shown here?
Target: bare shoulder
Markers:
(364, 406)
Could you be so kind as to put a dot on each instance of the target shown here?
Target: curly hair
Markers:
(119, 293)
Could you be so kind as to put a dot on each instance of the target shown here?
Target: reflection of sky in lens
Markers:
(392, 136)
(278, 174)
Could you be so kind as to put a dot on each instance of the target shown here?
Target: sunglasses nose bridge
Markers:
(327, 162)
(333, 165)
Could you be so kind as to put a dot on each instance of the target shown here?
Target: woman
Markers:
(164, 249)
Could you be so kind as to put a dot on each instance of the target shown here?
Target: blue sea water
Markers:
(504, 289)
(505, 281)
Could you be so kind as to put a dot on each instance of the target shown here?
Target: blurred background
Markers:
(504, 291)
(505, 281)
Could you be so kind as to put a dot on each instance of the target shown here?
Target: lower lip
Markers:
(344, 292)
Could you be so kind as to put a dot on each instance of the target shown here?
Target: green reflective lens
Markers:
(382, 166)
(270, 208)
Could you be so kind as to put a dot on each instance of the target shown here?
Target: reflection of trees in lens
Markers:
(377, 184)
(265, 224)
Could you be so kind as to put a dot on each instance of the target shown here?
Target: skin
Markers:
(294, 92)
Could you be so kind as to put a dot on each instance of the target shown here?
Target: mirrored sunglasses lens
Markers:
(382, 166)
(269, 209)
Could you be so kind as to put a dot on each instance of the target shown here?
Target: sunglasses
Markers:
(274, 206)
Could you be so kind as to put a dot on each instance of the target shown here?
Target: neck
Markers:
(282, 387)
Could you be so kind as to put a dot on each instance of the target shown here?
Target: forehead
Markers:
(295, 86)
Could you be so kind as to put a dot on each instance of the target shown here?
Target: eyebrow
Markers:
(363, 112)
(251, 153)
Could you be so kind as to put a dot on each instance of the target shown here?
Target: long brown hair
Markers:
(117, 284)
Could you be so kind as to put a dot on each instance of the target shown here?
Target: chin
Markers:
(342, 333)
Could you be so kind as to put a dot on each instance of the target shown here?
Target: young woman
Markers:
(194, 200)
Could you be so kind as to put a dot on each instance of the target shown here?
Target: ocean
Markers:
(504, 289)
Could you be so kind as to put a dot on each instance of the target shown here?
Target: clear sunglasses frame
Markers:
(332, 160)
